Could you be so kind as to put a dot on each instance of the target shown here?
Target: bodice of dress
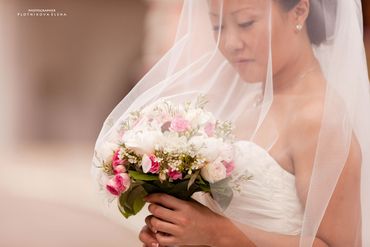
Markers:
(265, 194)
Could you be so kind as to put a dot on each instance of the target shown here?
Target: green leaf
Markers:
(123, 208)
(124, 213)
(222, 192)
(205, 188)
(176, 189)
(138, 202)
(142, 176)
(202, 181)
(132, 201)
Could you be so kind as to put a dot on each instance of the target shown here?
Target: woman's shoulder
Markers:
(310, 109)
(307, 114)
(308, 104)
(304, 124)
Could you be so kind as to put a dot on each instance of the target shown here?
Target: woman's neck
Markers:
(290, 76)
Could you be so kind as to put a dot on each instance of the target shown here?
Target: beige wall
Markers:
(70, 71)
(59, 78)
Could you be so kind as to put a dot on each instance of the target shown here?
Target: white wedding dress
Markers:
(265, 194)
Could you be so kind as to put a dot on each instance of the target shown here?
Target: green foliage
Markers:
(132, 201)
(139, 176)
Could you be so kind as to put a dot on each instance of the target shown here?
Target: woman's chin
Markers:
(250, 78)
(251, 75)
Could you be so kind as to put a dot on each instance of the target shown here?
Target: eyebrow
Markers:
(232, 13)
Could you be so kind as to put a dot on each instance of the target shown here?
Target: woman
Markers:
(291, 76)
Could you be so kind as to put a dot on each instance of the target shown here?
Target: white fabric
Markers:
(266, 197)
(264, 193)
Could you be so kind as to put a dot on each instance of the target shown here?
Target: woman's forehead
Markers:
(232, 7)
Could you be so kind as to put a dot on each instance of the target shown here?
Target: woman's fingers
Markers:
(157, 225)
(148, 237)
(166, 240)
(163, 213)
(149, 224)
(165, 200)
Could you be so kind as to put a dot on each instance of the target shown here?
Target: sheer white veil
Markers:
(195, 65)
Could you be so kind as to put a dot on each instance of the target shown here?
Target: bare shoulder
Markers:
(303, 133)
(306, 120)
(311, 115)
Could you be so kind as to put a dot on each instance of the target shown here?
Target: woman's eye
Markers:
(217, 28)
(246, 24)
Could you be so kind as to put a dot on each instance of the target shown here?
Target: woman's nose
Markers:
(232, 41)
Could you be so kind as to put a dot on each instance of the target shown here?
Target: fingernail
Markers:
(155, 245)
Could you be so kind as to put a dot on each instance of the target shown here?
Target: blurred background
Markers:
(60, 76)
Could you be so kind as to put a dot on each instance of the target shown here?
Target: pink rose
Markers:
(229, 167)
(209, 128)
(155, 164)
(117, 163)
(150, 164)
(116, 160)
(119, 169)
(118, 184)
(174, 175)
(179, 124)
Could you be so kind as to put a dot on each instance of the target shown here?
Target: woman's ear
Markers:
(301, 11)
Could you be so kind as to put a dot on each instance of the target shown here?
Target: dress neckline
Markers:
(274, 161)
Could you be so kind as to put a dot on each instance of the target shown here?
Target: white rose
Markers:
(227, 152)
(212, 148)
(141, 142)
(199, 117)
(171, 142)
(197, 142)
(214, 172)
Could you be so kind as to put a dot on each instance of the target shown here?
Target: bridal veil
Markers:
(242, 91)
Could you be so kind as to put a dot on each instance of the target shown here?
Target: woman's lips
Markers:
(243, 62)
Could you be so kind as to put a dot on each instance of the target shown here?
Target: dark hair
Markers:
(315, 21)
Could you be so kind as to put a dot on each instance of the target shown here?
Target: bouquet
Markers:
(174, 149)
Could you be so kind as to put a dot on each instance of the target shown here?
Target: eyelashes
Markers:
(244, 25)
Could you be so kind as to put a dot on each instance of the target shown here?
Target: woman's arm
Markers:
(339, 225)
(264, 239)
(178, 222)
(188, 223)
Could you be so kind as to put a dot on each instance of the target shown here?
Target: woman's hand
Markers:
(177, 222)
(148, 238)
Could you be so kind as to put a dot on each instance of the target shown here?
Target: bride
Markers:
(291, 75)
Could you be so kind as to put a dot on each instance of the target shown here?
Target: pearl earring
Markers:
(299, 27)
